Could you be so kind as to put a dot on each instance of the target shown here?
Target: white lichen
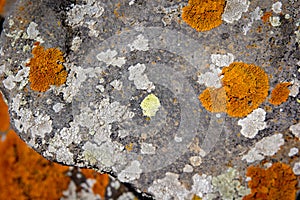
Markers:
(34, 124)
(32, 31)
(15, 35)
(96, 118)
(255, 16)
(109, 57)
(195, 161)
(202, 185)
(58, 107)
(106, 154)
(275, 21)
(168, 188)
(268, 146)
(76, 42)
(296, 168)
(293, 151)
(287, 16)
(222, 60)
(140, 80)
(253, 123)
(147, 148)
(177, 138)
(234, 9)
(229, 186)
(2, 69)
(294, 89)
(297, 33)
(9, 82)
(117, 84)
(211, 78)
(131, 173)
(42, 124)
(87, 193)
(131, 2)
(296, 130)
(127, 196)
(276, 7)
(21, 78)
(188, 169)
(76, 77)
(140, 44)
(79, 14)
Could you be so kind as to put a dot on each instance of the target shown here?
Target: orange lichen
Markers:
(275, 183)
(24, 174)
(46, 68)
(4, 117)
(280, 93)
(102, 181)
(2, 4)
(214, 99)
(246, 87)
(266, 17)
(203, 15)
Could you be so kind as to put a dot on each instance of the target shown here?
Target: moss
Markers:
(102, 181)
(246, 87)
(46, 68)
(276, 182)
(203, 15)
(4, 122)
(24, 174)
(150, 105)
(280, 93)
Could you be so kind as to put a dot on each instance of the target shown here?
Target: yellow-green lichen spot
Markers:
(150, 105)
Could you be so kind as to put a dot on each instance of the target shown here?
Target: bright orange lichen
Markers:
(102, 181)
(246, 87)
(203, 15)
(266, 17)
(24, 174)
(2, 4)
(214, 99)
(4, 117)
(280, 93)
(275, 183)
(46, 68)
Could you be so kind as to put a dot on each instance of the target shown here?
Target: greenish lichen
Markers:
(150, 105)
(229, 186)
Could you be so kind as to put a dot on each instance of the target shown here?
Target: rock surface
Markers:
(119, 52)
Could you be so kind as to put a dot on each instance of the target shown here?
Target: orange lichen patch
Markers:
(129, 147)
(4, 116)
(275, 183)
(214, 100)
(246, 87)
(24, 174)
(280, 93)
(2, 4)
(203, 15)
(102, 181)
(266, 17)
(46, 68)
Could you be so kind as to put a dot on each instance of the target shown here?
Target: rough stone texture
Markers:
(95, 118)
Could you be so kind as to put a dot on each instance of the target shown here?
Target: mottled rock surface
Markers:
(118, 53)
